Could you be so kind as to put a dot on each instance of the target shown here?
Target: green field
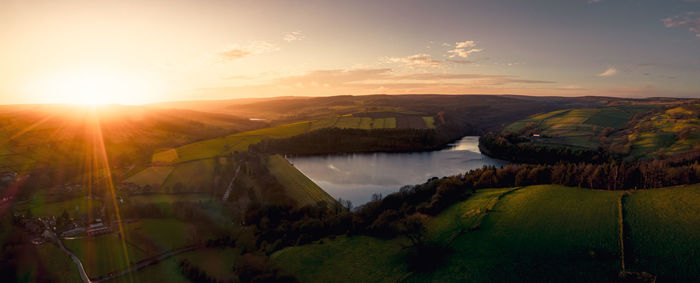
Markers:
(531, 231)
(39, 206)
(674, 131)
(169, 198)
(576, 128)
(165, 156)
(144, 238)
(46, 262)
(104, 254)
(216, 262)
(193, 176)
(299, 187)
(528, 233)
(238, 142)
(153, 176)
(664, 232)
(345, 259)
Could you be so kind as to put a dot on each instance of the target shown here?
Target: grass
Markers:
(39, 206)
(345, 259)
(527, 235)
(577, 128)
(238, 142)
(299, 187)
(549, 224)
(144, 238)
(664, 232)
(103, 254)
(169, 198)
(153, 176)
(46, 263)
(197, 175)
(165, 156)
(216, 262)
(429, 122)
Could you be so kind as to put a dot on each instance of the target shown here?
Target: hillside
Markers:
(633, 131)
(537, 233)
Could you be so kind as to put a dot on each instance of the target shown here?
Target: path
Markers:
(230, 184)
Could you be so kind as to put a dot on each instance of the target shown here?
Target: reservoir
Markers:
(356, 177)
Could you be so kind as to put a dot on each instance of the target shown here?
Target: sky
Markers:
(135, 52)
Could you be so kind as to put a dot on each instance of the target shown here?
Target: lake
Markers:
(356, 177)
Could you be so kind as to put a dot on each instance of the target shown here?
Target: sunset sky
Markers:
(135, 52)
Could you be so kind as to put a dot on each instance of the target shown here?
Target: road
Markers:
(81, 269)
(230, 184)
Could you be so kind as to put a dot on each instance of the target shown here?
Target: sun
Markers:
(94, 87)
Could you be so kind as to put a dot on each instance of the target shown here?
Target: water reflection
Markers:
(356, 177)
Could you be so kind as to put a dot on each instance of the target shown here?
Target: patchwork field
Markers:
(577, 128)
(673, 131)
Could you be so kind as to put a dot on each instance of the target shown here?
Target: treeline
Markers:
(605, 176)
(335, 140)
(514, 148)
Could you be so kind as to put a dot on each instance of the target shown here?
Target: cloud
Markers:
(594, 1)
(234, 54)
(416, 60)
(464, 49)
(608, 73)
(462, 62)
(293, 36)
(689, 20)
(465, 44)
(253, 47)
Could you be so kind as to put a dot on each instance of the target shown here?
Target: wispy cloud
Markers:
(463, 49)
(689, 20)
(234, 54)
(594, 1)
(253, 47)
(416, 60)
(611, 71)
(294, 36)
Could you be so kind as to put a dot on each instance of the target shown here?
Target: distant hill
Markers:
(644, 129)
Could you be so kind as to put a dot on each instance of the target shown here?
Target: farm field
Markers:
(345, 259)
(153, 176)
(217, 262)
(144, 238)
(577, 128)
(40, 206)
(165, 156)
(549, 224)
(586, 236)
(299, 187)
(47, 262)
(664, 232)
(673, 131)
(197, 175)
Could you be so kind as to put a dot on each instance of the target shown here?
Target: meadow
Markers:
(142, 239)
(537, 233)
(664, 232)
